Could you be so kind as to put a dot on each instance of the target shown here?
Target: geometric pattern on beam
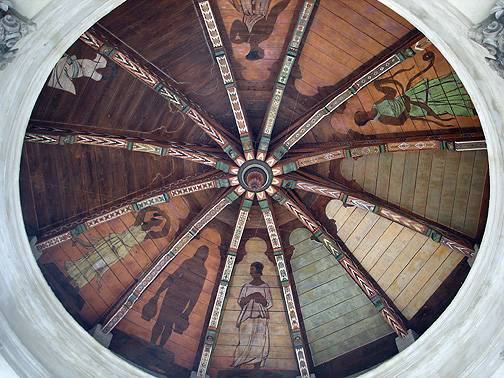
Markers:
(335, 247)
(151, 199)
(227, 77)
(169, 93)
(283, 77)
(213, 324)
(353, 198)
(288, 297)
(170, 254)
(337, 101)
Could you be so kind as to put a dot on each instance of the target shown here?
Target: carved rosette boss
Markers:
(490, 34)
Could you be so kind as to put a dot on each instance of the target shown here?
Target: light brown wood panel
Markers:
(383, 180)
(396, 177)
(371, 238)
(371, 175)
(351, 223)
(422, 182)
(435, 185)
(359, 170)
(464, 176)
(449, 187)
(384, 242)
(474, 202)
(361, 231)
(409, 180)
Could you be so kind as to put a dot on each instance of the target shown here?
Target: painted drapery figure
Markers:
(254, 301)
(435, 100)
(107, 251)
(69, 68)
(183, 289)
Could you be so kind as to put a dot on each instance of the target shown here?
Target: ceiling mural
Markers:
(238, 188)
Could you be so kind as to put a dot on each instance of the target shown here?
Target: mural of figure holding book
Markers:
(255, 14)
(183, 288)
(254, 301)
(150, 223)
(438, 100)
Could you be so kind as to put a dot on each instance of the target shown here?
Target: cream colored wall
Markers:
(29, 8)
(475, 10)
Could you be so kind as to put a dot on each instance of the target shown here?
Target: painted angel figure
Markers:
(107, 251)
(254, 301)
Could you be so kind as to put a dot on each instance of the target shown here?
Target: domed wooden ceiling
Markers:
(266, 188)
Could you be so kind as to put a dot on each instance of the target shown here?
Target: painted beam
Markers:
(167, 257)
(439, 233)
(222, 59)
(58, 136)
(323, 155)
(132, 204)
(326, 107)
(337, 249)
(290, 57)
(213, 325)
(288, 297)
(135, 66)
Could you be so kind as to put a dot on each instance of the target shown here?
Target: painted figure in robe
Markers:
(183, 288)
(107, 251)
(252, 323)
(436, 100)
(69, 68)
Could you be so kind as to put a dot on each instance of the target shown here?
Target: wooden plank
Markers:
(396, 268)
(330, 300)
(385, 240)
(371, 238)
(433, 284)
(409, 180)
(463, 188)
(360, 232)
(359, 171)
(332, 208)
(422, 277)
(346, 167)
(410, 266)
(435, 185)
(322, 276)
(422, 182)
(476, 194)
(396, 177)
(383, 179)
(342, 215)
(371, 175)
(351, 223)
(391, 253)
(449, 187)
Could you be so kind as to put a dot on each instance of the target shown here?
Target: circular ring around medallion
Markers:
(255, 176)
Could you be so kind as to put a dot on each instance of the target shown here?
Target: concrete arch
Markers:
(39, 339)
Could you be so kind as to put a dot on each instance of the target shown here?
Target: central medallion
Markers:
(255, 176)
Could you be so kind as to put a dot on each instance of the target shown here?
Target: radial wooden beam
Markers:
(283, 77)
(134, 202)
(213, 324)
(136, 66)
(389, 59)
(222, 59)
(338, 250)
(322, 154)
(113, 139)
(288, 296)
(350, 197)
(172, 251)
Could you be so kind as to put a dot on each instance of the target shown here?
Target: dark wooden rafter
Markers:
(349, 87)
(113, 139)
(288, 296)
(120, 310)
(213, 324)
(336, 247)
(136, 65)
(134, 202)
(291, 54)
(455, 142)
(223, 61)
(350, 197)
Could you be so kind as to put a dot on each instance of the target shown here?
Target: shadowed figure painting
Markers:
(182, 289)
(437, 100)
(252, 323)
